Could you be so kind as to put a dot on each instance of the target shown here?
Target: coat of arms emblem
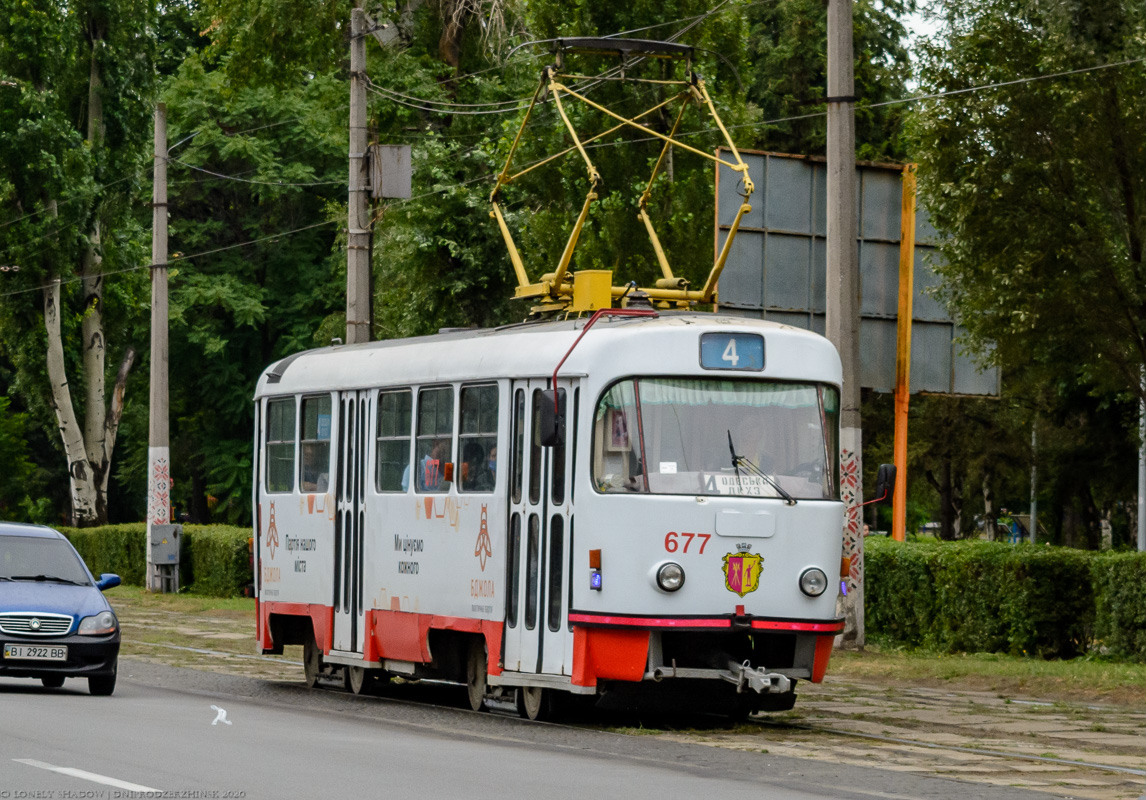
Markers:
(742, 572)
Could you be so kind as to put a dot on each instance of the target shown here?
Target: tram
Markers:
(647, 507)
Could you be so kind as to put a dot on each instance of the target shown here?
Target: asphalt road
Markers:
(162, 731)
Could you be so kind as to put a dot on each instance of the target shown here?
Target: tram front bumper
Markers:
(744, 676)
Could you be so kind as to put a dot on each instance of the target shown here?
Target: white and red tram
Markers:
(681, 538)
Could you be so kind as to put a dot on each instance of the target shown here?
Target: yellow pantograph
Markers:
(587, 290)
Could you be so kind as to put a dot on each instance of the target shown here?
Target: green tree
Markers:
(75, 83)
(788, 75)
(1039, 186)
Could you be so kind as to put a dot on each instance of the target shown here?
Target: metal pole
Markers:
(1142, 466)
(358, 299)
(903, 351)
(1034, 481)
(842, 318)
(158, 443)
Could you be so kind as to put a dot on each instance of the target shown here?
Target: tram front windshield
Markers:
(671, 436)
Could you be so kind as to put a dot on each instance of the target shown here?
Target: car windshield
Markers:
(672, 436)
(27, 557)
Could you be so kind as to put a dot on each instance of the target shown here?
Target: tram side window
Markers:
(616, 441)
(478, 439)
(280, 445)
(434, 446)
(518, 443)
(394, 425)
(535, 451)
(314, 448)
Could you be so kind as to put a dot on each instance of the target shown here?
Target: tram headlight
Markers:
(813, 582)
(670, 576)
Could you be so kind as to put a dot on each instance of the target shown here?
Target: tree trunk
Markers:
(988, 506)
(111, 424)
(455, 15)
(83, 486)
(956, 504)
(88, 451)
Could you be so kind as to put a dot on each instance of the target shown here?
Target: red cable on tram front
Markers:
(600, 312)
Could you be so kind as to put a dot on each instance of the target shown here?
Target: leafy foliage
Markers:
(256, 98)
(1039, 185)
(214, 559)
(993, 597)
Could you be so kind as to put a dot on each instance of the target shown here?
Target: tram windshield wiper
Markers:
(735, 458)
(737, 461)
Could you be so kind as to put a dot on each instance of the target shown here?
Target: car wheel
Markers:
(52, 681)
(101, 685)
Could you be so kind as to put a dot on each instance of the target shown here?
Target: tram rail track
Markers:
(957, 748)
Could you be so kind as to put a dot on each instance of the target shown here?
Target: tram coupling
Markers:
(745, 676)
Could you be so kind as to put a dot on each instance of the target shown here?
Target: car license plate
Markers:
(31, 652)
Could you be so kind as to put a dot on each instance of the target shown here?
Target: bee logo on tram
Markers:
(742, 572)
(272, 533)
(483, 549)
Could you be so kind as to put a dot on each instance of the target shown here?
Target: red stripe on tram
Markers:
(813, 627)
(649, 622)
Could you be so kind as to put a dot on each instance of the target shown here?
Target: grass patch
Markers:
(1087, 678)
(137, 598)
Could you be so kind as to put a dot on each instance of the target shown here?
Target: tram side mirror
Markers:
(884, 484)
(551, 418)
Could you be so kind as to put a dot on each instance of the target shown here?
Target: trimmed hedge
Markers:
(1120, 591)
(214, 560)
(996, 597)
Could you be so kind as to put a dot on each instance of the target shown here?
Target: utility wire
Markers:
(174, 261)
(900, 101)
(403, 100)
(257, 183)
(517, 105)
(998, 84)
(64, 202)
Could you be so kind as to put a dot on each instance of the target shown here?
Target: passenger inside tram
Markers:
(476, 473)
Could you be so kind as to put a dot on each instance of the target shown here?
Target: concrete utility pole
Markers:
(158, 443)
(358, 299)
(843, 307)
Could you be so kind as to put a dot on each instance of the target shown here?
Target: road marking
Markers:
(221, 716)
(85, 775)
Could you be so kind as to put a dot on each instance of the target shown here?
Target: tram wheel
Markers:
(477, 669)
(311, 662)
(354, 679)
(534, 703)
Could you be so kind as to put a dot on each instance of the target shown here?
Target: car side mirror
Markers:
(107, 581)
(884, 484)
(551, 418)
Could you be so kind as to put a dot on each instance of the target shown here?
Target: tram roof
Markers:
(666, 344)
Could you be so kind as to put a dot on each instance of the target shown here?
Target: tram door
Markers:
(539, 542)
(349, 523)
